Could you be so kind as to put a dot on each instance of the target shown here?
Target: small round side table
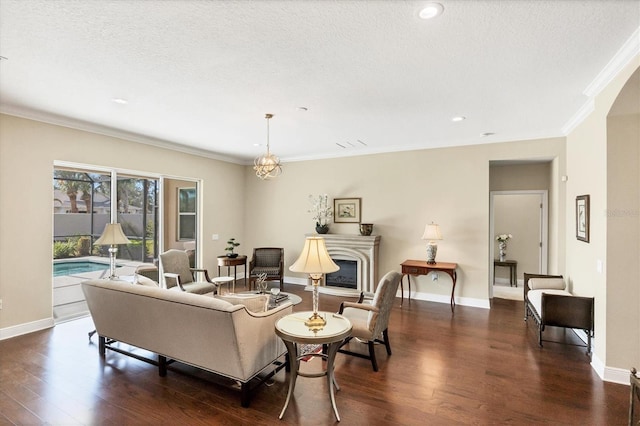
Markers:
(233, 261)
(293, 331)
(224, 281)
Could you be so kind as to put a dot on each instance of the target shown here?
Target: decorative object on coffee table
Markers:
(315, 261)
(322, 213)
(366, 229)
(432, 233)
(261, 283)
(231, 246)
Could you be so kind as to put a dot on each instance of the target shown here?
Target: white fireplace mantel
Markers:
(362, 249)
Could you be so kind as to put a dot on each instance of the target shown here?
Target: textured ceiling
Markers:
(374, 77)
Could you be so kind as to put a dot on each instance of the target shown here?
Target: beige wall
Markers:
(520, 177)
(28, 150)
(401, 192)
(616, 299)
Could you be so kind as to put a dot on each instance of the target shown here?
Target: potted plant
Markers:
(231, 246)
(322, 213)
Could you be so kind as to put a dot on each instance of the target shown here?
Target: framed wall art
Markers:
(346, 210)
(582, 218)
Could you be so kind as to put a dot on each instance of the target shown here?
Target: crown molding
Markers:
(626, 53)
(578, 117)
(629, 50)
(58, 120)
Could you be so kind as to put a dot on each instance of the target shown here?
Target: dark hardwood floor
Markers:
(476, 366)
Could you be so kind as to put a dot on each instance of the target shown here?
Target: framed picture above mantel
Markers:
(346, 210)
(582, 218)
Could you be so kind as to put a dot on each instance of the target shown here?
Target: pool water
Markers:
(70, 268)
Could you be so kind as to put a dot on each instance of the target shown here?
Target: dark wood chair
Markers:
(267, 260)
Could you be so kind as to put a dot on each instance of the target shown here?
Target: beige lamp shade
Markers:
(112, 235)
(432, 232)
(314, 258)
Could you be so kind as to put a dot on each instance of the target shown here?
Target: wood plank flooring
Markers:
(476, 366)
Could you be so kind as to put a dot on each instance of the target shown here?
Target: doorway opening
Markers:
(524, 216)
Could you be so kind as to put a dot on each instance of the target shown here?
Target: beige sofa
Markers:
(198, 330)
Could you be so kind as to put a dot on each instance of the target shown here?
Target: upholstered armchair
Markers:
(267, 260)
(178, 275)
(371, 320)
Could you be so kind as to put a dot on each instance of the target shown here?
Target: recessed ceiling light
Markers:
(303, 108)
(431, 10)
(120, 101)
(484, 135)
(458, 118)
(3, 58)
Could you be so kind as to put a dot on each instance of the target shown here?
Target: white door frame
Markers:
(544, 227)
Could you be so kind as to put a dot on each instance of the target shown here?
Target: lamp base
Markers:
(432, 249)
(315, 322)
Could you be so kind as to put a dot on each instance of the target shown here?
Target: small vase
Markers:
(502, 246)
(232, 255)
(322, 229)
(366, 229)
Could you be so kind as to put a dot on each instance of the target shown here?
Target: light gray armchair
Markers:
(178, 275)
(371, 320)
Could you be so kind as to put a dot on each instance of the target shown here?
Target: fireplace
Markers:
(361, 253)
(346, 277)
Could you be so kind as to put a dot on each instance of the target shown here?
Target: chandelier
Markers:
(267, 166)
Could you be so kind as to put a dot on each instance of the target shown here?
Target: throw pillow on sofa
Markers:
(253, 302)
(148, 282)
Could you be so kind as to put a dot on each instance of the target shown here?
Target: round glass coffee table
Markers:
(293, 332)
(281, 298)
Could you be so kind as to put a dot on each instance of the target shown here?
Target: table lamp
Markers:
(315, 261)
(432, 233)
(112, 236)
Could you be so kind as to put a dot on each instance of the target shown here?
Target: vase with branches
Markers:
(322, 212)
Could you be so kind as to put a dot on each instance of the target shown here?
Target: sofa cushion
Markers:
(142, 280)
(535, 297)
(546, 283)
(253, 302)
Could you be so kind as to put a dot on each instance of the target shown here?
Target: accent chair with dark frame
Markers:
(267, 260)
(371, 320)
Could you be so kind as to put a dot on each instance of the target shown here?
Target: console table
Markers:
(233, 261)
(513, 270)
(421, 267)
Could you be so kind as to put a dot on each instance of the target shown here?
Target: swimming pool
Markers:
(72, 267)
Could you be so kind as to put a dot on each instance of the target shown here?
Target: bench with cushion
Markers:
(548, 302)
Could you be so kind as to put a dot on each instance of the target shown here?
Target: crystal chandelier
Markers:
(267, 166)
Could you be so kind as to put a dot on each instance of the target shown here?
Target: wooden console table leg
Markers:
(402, 289)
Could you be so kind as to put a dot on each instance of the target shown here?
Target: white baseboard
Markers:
(610, 374)
(29, 327)
(440, 298)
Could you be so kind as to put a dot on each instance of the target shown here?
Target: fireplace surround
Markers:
(361, 249)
